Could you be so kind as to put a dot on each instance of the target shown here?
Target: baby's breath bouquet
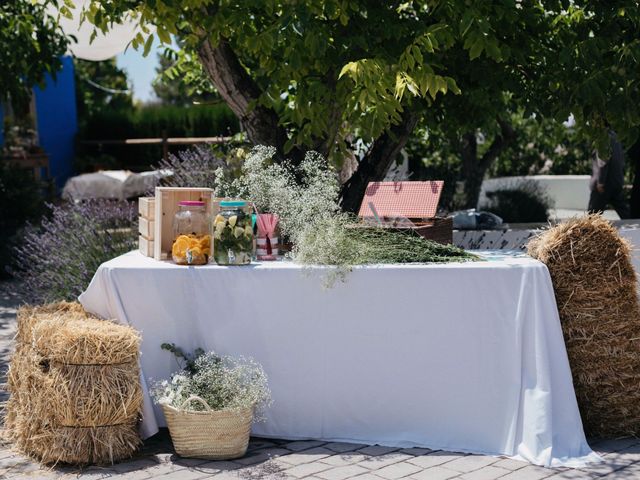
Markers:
(224, 382)
(305, 198)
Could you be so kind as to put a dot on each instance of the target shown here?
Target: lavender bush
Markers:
(57, 259)
(199, 166)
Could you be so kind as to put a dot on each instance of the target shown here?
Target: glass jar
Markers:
(191, 233)
(232, 234)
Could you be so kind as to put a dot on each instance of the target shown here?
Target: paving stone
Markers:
(212, 467)
(268, 470)
(302, 445)
(486, 473)
(470, 463)
(627, 473)
(341, 447)
(397, 470)
(381, 461)
(416, 451)
(307, 469)
(184, 474)
(341, 473)
(434, 473)
(133, 465)
(344, 459)
(306, 456)
(510, 464)
(377, 450)
(613, 445)
(574, 475)
(530, 472)
(260, 456)
(435, 458)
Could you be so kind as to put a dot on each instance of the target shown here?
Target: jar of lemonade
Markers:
(233, 234)
(191, 233)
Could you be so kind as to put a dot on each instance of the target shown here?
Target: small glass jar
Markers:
(232, 234)
(191, 233)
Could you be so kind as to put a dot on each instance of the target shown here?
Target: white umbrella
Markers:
(103, 46)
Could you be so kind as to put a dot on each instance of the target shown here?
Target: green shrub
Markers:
(21, 201)
(153, 121)
(524, 202)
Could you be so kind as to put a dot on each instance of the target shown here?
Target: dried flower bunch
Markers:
(224, 382)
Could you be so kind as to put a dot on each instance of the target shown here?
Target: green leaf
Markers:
(147, 45)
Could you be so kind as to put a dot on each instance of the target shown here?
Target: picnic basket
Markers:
(209, 434)
(388, 202)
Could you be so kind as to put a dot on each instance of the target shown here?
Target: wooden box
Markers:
(146, 224)
(166, 206)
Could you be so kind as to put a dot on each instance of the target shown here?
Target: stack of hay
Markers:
(595, 287)
(75, 387)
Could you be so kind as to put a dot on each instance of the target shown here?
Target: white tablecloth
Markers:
(466, 357)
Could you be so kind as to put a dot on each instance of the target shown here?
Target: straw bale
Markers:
(29, 315)
(94, 395)
(74, 385)
(596, 292)
(93, 445)
(83, 340)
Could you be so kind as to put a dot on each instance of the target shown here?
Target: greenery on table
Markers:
(306, 200)
(224, 382)
(353, 77)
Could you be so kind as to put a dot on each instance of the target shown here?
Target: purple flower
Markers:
(57, 259)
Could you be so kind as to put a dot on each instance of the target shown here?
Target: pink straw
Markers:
(267, 223)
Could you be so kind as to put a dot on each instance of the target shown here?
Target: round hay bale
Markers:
(596, 293)
(75, 387)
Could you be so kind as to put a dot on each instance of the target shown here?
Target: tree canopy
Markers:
(31, 44)
(324, 74)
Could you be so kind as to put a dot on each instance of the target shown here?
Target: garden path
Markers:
(308, 460)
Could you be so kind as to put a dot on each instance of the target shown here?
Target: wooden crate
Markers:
(147, 207)
(146, 246)
(146, 224)
(166, 206)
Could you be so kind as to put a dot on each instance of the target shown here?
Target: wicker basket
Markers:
(210, 435)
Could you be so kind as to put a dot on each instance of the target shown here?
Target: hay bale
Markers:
(596, 292)
(75, 390)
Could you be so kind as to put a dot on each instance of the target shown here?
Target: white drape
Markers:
(462, 356)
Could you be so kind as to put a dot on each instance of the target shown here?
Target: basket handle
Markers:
(201, 401)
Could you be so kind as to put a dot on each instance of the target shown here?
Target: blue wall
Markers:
(58, 121)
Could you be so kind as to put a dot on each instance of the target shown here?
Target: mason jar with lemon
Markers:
(232, 234)
(191, 233)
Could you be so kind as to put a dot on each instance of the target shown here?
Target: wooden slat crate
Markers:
(146, 224)
(166, 206)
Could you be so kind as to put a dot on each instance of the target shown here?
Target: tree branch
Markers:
(507, 135)
(241, 93)
(377, 161)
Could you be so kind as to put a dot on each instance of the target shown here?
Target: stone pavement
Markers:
(309, 460)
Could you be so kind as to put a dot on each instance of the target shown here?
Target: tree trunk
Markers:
(474, 169)
(374, 166)
(634, 156)
(241, 93)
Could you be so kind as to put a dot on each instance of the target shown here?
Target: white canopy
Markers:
(104, 46)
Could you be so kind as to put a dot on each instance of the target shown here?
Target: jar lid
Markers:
(191, 203)
(233, 203)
